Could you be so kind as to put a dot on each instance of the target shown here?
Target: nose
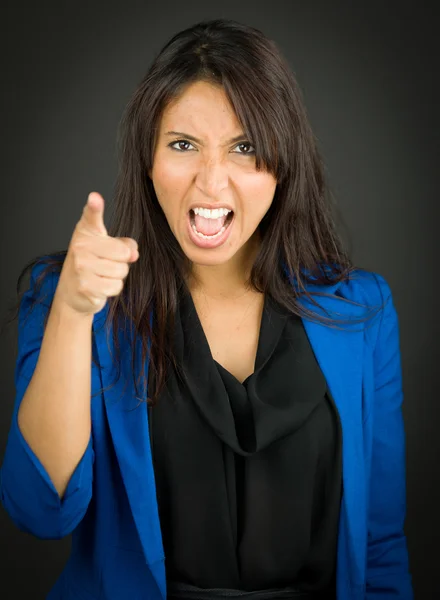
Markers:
(212, 177)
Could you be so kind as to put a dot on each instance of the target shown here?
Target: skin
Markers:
(213, 171)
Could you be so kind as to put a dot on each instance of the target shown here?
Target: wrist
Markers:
(66, 313)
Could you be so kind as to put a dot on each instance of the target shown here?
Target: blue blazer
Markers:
(110, 503)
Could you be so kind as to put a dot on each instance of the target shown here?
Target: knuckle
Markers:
(112, 290)
(119, 286)
(82, 285)
(77, 246)
(79, 262)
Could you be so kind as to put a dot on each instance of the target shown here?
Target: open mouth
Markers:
(215, 228)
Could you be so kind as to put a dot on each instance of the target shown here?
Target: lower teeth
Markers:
(208, 237)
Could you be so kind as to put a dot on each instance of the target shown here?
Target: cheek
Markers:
(167, 186)
(260, 200)
(169, 182)
(171, 207)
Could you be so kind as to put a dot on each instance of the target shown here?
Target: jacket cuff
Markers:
(29, 495)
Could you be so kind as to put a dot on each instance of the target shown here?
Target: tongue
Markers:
(208, 226)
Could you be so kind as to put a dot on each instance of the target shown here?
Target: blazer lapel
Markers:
(339, 353)
(129, 429)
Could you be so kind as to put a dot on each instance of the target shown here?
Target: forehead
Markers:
(202, 107)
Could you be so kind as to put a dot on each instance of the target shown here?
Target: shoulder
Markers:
(359, 285)
(372, 290)
(368, 287)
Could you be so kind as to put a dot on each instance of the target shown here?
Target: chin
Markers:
(209, 260)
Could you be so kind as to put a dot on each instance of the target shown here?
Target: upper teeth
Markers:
(212, 214)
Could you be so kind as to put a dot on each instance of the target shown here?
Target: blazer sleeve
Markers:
(387, 555)
(26, 490)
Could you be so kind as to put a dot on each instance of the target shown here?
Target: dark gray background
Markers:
(369, 74)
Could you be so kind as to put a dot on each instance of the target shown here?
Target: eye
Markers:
(246, 144)
(171, 145)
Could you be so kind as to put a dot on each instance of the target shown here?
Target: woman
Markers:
(269, 461)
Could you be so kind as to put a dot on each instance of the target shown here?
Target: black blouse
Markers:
(248, 475)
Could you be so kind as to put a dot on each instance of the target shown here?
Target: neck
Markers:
(227, 281)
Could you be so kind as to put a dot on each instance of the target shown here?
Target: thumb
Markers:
(93, 214)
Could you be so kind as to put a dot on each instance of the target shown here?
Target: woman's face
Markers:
(208, 164)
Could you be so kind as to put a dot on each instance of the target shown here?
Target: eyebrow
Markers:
(237, 138)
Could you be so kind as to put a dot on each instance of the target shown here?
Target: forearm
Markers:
(54, 415)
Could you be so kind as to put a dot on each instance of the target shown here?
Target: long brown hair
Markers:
(298, 233)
